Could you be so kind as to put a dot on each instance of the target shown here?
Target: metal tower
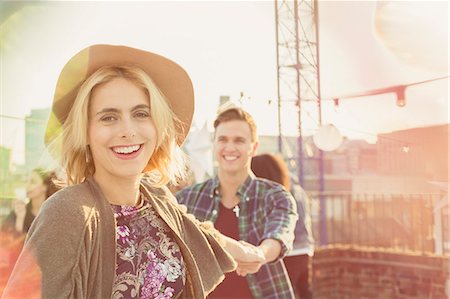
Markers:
(298, 76)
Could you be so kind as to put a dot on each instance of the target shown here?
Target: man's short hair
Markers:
(236, 113)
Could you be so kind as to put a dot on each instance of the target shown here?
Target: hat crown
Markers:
(171, 79)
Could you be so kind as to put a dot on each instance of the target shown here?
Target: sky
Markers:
(229, 48)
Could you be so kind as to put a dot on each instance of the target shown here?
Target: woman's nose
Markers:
(128, 130)
(129, 135)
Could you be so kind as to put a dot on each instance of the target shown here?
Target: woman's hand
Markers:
(20, 209)
(251, 254)
(242, 251)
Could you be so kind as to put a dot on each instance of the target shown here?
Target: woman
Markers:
(116, 231)
(40, 186)
(273, 167)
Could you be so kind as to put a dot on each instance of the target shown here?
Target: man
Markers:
(244, 207)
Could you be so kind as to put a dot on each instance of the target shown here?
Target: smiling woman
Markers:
(118, 119)
(121, 133)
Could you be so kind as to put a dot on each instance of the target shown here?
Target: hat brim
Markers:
(171, 79)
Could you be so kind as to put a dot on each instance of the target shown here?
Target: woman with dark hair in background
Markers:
(273, 167)
(40, 186)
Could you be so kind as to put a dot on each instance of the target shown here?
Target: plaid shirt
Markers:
(267, 211)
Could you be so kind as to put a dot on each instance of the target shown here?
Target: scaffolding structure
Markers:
(298, 77)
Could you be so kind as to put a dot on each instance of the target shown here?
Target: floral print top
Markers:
(149, 263)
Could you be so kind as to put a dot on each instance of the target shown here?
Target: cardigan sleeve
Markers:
(47, 266)
(212, 260)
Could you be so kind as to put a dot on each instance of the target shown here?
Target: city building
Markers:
(35, 152)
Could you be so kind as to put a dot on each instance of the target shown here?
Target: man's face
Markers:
(233, 146)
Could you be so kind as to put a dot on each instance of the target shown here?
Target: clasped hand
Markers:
(252, 261)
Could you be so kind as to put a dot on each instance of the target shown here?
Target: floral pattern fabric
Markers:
(149, 263)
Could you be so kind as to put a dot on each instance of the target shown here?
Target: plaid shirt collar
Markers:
(243, 189)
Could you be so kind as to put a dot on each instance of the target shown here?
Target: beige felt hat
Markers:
(171, 79)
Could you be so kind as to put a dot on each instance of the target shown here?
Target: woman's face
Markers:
(35, 186)
(121, 133)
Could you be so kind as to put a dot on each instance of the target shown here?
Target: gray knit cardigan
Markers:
(70, 248)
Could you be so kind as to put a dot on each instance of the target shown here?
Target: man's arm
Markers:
(279, 231)
(271, 249)
(280, 221)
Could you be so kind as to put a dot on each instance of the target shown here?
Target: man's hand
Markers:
(245, 268)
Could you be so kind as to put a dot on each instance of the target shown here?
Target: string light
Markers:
(399, 90)
(401, 99)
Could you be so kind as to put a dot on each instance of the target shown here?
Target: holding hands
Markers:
(250, 263)
(251, 254)
(248, 257)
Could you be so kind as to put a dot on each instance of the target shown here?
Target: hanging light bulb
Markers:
(336, 104)
(328, 138)
(400, 92)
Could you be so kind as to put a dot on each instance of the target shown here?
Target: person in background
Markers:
(40, 186)
(118, 119)
(298, 263)
(257, 211)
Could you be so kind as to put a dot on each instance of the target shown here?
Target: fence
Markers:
(405, 222)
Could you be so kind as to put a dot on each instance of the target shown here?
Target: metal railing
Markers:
(402, 222)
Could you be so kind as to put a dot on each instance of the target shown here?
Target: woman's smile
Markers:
(127, 152)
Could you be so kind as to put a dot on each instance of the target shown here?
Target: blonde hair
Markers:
(71, 146)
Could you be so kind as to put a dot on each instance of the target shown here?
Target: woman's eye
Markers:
(108, 118)
(142, 114)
